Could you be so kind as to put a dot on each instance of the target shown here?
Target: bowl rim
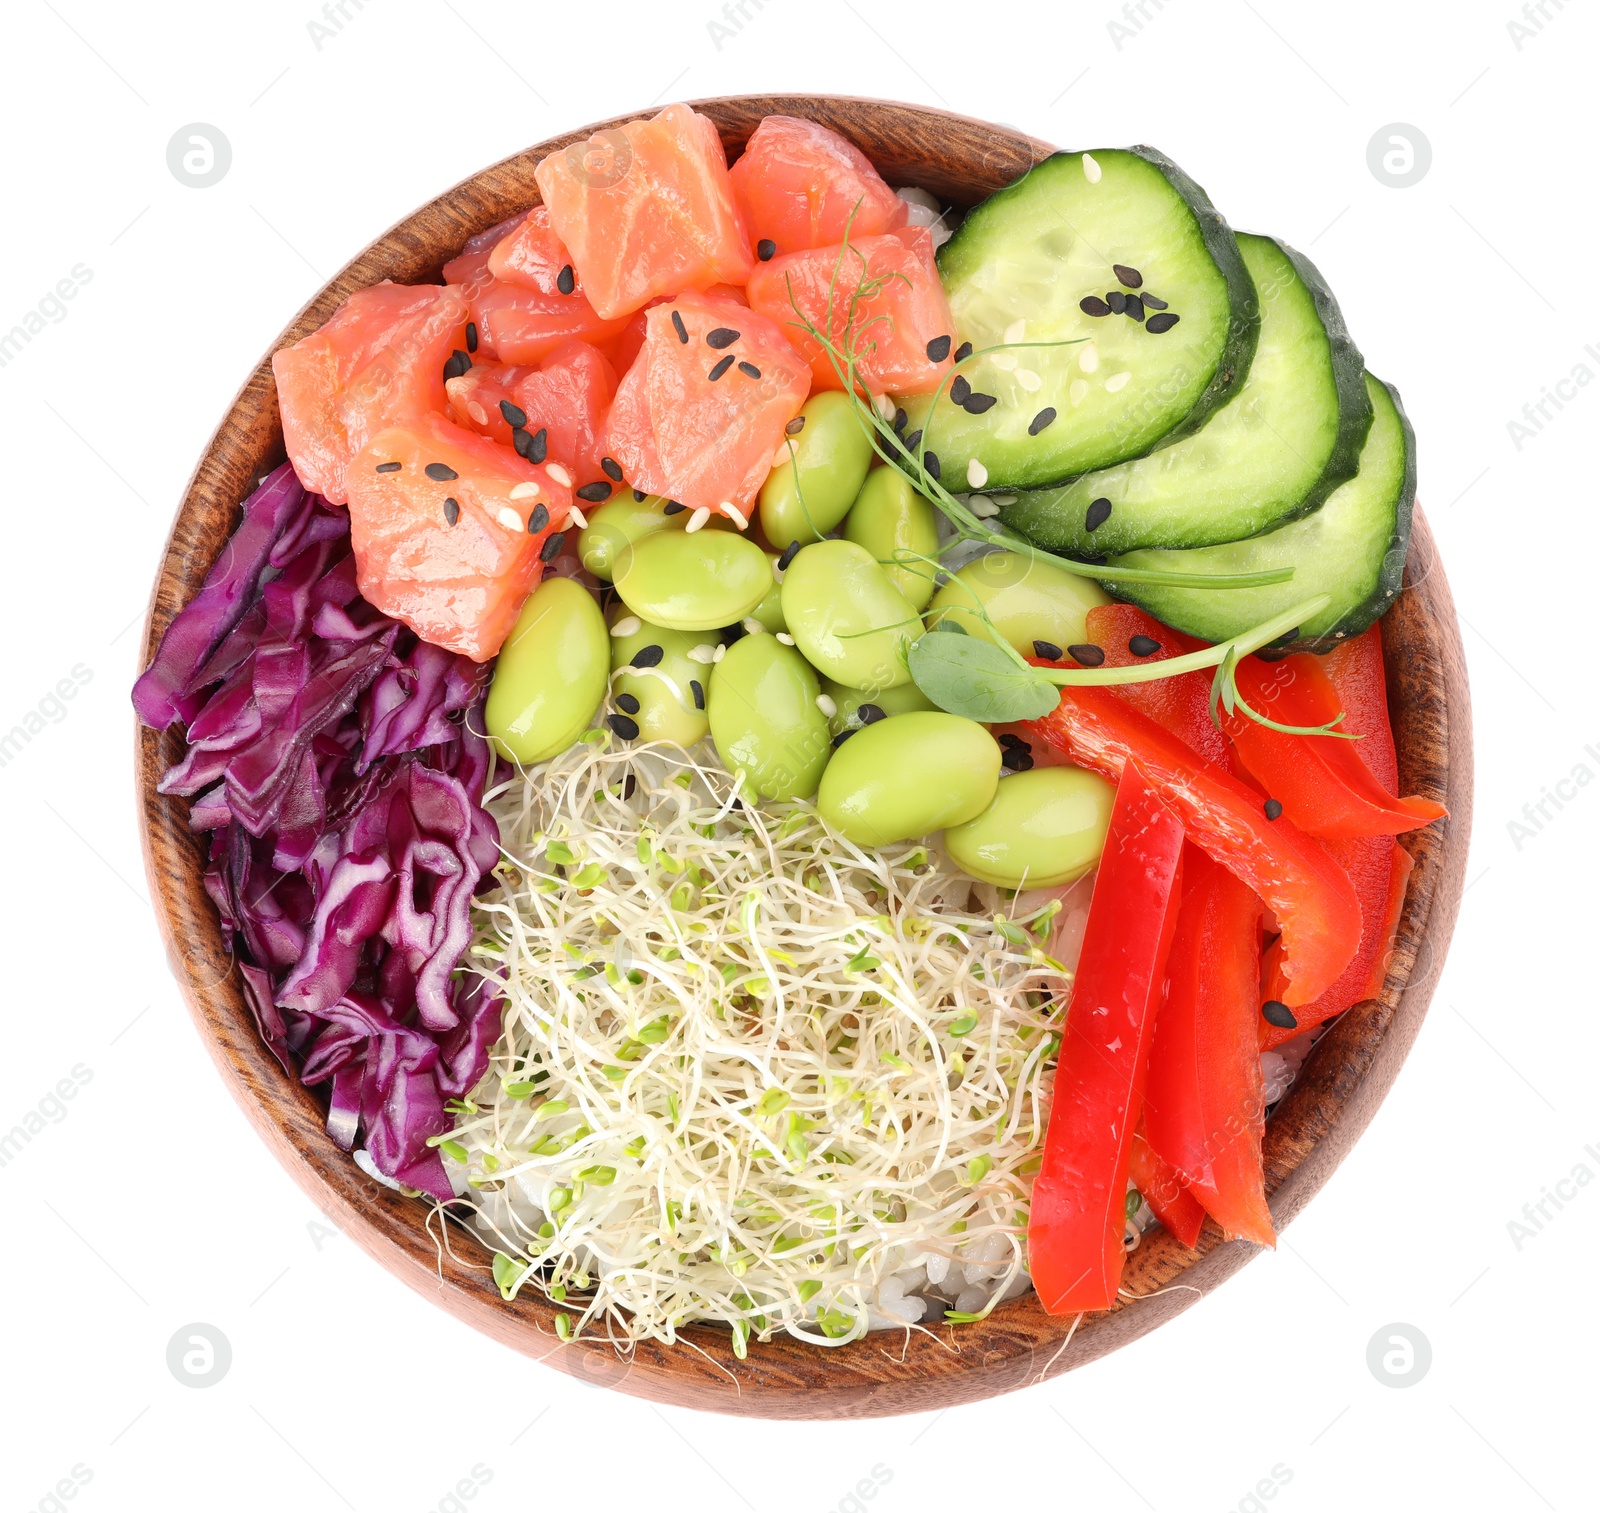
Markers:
(1346, 1077)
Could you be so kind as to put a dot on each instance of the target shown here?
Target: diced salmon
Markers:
(378, 360)
(450, 552)
(799, 185)
(646, 209)
(532, 256)
(517, 324)
(706, 442)
(900, 320)
(471, 265)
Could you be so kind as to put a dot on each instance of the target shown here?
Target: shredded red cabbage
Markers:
(332, 757)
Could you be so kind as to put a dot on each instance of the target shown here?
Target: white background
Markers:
(150, 1205)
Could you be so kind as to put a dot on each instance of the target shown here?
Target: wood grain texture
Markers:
(1344, 1080)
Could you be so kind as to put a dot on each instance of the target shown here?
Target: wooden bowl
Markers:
(1342, 1084)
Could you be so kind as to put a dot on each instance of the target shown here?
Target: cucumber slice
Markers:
(1287, 440)
(1353, 548)
(1019, 269)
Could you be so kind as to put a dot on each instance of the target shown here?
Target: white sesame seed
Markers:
(1004, 361)
(525, 491)
(753, 627)
(1005, 501)
(781, 456)
(576, 517)
(784, 637)
(560, 474)
(717, 655)
(1091, 169)
(982, 506)
(704, 653)
(477, 412)
(884, 406)
(1076, 391)
(1028, 379)
(509, 518)
(1016, 331)
(735, 515)
(977, 474)
(1117, 381)
(827, 706)
(627, 625)
(697, 519)
(1088, 357)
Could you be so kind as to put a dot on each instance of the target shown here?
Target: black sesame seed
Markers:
(1116, 301)
(788, 556)
(964, 351)
(732, 633)
(1045, 417)
(627, 703)
(870, 714)
(1151, 302)
(930, 461)
(699, 692)
(389, 467)
(1129, 278)
(523, 442)
(750, 370)
(843, 736)
(795, 426)
(565, 280)
(723, 336)
(938, 349)
(960, 390)
(512, 414)
(1087, 654)
(551, 548)
(1092, 304)
(1160, 323)
(441, 472)
(538, 446)
(1143, 646)
(1016, 759)
(624, 727)
(1048, 650)
(900, 420)
(611, 468)
(1134, 309)
(594, 493)
(978, 403)
(1026, 763)
(630, 785)
(538, 520)
(472, 336)
(1010, 738)
(639, 496)
(680, 328)
(1097, 514)
(720, 368)
(1279, 1014)
(452, 512)
(672, 507)
(766, 249)
(1272, 809)
(458, 364)
(912, 440)
(647, 656)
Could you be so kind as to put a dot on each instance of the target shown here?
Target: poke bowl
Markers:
(599, 1020)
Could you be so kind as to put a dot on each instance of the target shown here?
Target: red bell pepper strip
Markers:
(1163, 1189)
(1203, 1104)
(1323, 782)
(1355, 668)
(1312, 899)
(1079, 1210)
(1394, 905)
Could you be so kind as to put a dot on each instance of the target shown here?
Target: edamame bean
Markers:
(551, 673)
(851, 622)
(909, 775)
(816, 477)
(661, 680)
(770, 610)
(619, 522)
(847, 702)
(890, 516)
(1028, 601)
(1044, 827)
(693, 581)
(765, 720)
